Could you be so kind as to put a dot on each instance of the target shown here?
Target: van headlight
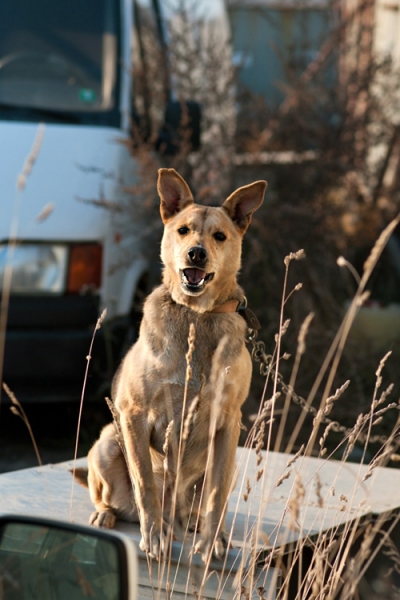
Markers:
(36, 268)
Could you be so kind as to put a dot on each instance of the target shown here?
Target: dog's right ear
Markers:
(174, 193)
(241, 205)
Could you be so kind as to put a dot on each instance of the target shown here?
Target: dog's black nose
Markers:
(197, 255)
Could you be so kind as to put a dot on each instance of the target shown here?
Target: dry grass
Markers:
(325, 409)
(340, 553)
(329, 564)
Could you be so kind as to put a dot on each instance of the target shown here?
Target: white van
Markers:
(68, 64)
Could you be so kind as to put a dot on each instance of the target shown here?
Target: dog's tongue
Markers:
(194, 276)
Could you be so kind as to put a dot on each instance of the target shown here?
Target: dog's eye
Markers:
(183, 230)
(219, 236)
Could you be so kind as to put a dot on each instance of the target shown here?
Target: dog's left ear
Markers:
(241, 204)
(174, 193)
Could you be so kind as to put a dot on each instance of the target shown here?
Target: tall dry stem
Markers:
(88, 359)
(18, 410)
(13, 238)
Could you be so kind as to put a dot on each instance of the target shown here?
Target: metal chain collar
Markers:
(259, 355)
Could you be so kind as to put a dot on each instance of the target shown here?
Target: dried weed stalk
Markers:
(18, 410)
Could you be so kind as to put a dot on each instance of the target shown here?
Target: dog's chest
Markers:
(209, 332)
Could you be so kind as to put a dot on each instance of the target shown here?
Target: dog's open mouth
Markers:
(195, 279)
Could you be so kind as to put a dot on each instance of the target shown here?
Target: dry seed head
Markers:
(341, 261)
(21, 181)
(191, 339)
(353, 435)
(382, 363)
(101, 319)
(295, 457)
(189, 354)
(299, 255)
(45, 212)
(330, 401)
(395, 457)
(298, 287)
(18, 410)
(332, 491)
(296, 501)
(285, 327)
(326, 433)
(248, 490)
(260, 433)
(379, 246)
(189, 417)
(343, 498)
(382, 399)
(168, 432)
(282, 478)
(301, 340)
(10, 394)
(260, 443)
(30, 160)
(377, 460)
(286, 356)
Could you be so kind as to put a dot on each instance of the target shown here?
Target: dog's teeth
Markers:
(197, 284)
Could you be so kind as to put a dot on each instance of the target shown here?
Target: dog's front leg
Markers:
(218, 480)
(136, 435)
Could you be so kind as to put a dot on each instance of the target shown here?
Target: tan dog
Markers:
(201, 252)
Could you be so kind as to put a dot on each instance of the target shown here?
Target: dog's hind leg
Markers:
(109, 484)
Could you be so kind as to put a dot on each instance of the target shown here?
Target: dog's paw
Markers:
(153, 542)
(211, 543)
(103, 518)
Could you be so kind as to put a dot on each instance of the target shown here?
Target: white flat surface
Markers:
(49, 491)
(342, 498)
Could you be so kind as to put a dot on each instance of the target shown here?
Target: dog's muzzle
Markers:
(194, 280)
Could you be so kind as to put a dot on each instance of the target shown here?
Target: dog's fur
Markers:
(201, 252)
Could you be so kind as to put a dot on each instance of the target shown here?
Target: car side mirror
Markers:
(43, 558)
(182, 124)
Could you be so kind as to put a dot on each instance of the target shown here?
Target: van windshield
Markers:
(59, 57)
